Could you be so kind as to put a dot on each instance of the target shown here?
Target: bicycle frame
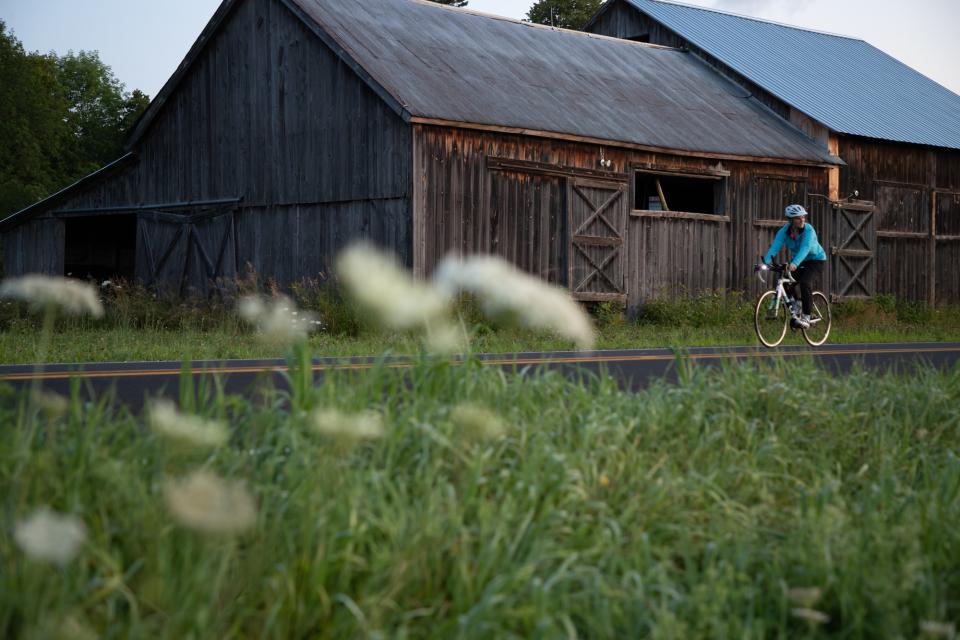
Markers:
(783, 279)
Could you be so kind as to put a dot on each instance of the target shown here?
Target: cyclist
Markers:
(807, 256)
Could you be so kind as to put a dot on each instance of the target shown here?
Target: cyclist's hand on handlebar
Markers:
(792, 267)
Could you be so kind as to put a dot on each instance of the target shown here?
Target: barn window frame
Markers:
(677, 178)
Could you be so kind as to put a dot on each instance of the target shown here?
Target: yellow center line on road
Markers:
(132, 373)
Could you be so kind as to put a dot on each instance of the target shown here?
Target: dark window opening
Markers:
(656, 192)
(643, 37)
(100, 247)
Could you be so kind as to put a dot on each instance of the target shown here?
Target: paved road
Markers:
(633, 368)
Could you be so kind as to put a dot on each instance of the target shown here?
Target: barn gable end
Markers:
(267, 149)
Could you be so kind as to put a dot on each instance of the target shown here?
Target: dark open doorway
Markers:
(100, 247)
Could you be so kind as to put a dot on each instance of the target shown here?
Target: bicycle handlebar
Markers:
(780, 269)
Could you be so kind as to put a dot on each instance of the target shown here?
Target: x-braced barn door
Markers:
(853, 250)
(597, 220)
(185, 254)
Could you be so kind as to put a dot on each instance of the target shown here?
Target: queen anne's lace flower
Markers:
(503, 290)
(207, 503)
(347, 426)
(48, 535)
(187, 430)
(73, 296)
(278, 320)
(383, 288)
(477, 422)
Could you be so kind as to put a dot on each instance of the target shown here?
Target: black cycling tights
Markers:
(806, 274)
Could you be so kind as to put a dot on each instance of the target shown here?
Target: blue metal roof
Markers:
(844, 83)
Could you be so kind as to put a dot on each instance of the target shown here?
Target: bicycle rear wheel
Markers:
(820, 320)
(770, 319)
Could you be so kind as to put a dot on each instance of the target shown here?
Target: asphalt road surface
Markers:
(633, 368)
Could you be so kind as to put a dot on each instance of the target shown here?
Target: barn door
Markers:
(597, 218)
(212, 263)
(852, 250)
(185, 254)
(161, 250)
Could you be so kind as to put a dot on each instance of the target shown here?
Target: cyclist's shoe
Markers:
(803, 321)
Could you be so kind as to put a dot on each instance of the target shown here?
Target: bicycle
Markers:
(778, 308)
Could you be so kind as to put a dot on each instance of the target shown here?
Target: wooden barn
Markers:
(294, 127)
(897, 132)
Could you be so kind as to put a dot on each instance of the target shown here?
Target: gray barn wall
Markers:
(27, 249)
(269, 114)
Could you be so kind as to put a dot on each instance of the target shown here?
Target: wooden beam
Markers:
(932, 252)
(704, 174)
(679, 215)
(904, 235)
(556, 135)
(598, 241)
(543, 168)
(663, 198)
(769, 223)
(587, 296)
(855, 253)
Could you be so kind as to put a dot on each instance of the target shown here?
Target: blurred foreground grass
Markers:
(771, 501)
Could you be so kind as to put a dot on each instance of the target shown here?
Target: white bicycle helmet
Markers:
(794, 211)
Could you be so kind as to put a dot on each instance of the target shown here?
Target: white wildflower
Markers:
(186, 429)
(274, 319)
(446, 338)
(380, 285)
(52, 404)
(73, 296)
(359, 426)
(207, 503)
(48, 535)
(938, 629)
(811, 616)
(504, 290)
(477, 422)
(804, 596)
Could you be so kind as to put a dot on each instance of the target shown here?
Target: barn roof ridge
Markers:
(744, 16)
(527, 23)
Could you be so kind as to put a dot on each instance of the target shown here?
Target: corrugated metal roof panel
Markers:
(846, 84)
(457, 65)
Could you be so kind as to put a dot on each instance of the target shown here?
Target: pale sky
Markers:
(143, 41)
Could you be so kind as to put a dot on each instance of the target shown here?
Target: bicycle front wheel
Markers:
(770, 319)
(820, 320)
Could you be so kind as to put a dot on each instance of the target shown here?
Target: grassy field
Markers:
(80, 342)
(739, 503)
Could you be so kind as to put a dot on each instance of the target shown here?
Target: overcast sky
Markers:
(143, 41)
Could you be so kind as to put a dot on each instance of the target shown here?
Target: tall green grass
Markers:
(687, 510)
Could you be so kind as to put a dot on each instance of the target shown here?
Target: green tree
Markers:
(60, 119)
(568, 14)
(33, 133)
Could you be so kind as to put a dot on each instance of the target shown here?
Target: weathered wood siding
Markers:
(269, 114)
(507, 194)
(917, 193)
(34, 247)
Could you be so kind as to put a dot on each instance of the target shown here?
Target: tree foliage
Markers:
(60, 119)
(568, 14)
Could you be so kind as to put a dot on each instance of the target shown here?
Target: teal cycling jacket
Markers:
(803, 247)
